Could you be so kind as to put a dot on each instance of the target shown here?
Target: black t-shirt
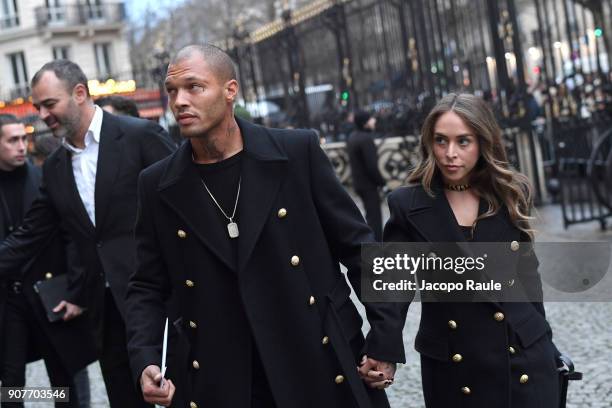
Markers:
(222, 179)
(11, 196)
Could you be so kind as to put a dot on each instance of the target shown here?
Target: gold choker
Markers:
(458, 187)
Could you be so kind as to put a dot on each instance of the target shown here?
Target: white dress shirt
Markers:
(85, 164)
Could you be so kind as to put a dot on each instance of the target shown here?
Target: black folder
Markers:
(52, 292)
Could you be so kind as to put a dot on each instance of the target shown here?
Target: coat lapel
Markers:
(31, 186)
(71, 193)
(109, 160)
(181, 189)
(263, 170)
(433, 217)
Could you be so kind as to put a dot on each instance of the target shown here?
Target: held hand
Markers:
(376, 374)
(72, 310)
(150, 381)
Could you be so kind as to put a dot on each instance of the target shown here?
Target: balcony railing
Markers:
(79, 14)
(9, 21)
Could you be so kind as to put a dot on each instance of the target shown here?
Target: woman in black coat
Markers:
(486, 354)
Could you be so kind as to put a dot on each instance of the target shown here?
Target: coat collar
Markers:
(263, 170)
(434, 219)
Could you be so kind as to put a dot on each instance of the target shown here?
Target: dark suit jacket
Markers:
(363, 158)
(72, 340)
(284, 293)
(478, 337)
(106, 251)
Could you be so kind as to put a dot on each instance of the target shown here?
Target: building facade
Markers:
(33, 32)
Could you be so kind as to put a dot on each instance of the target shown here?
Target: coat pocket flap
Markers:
(532, 329)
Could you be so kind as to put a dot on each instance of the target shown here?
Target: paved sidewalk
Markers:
(581, 330)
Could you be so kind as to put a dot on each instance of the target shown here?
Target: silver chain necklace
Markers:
(232, 227)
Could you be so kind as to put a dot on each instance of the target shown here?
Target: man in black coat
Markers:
(89, 193)
(243, 230)
(363, 159)
(65, 347)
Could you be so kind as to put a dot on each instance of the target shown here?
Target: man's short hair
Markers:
(120, 104)
(217, 59)
(44, 145)
(7, 119)
(66, 71)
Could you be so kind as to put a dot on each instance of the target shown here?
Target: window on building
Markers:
(103, 59)
(55, 10)
(94, 9)
(20, 74)
(9, 14)
(61, 52)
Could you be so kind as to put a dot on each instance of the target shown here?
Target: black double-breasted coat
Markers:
(71, 340)
(284, 293)
(478, 354)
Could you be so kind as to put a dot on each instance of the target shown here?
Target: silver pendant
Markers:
(232, 229)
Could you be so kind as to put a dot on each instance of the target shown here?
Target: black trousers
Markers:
(21, 330)
(371, 203)
(114, 361)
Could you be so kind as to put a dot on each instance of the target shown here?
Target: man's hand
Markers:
(376, 374)
(151, 391)
(72, 310)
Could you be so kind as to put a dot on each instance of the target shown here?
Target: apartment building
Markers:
(33, 32)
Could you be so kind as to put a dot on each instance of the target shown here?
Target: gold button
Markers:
(466, 390)
(192, 324)
(457, 358)
(325, 340)
(193, 405)
(282, 213)
(452, 324)
(195, 364)
(524, 378)
(339, 379)
(311, 301)
(499, 317)
(514, 245)
(48, 275)
(512, 350)
(181, 234)
(189, 283)
(295, 260)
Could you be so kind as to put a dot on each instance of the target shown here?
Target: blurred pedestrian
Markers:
(89, 193)
(118, 105)
(363, 159)
(27, 333)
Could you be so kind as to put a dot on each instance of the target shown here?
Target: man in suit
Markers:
(243, 229)
(89, 193)
(65, 347)
(363, 158)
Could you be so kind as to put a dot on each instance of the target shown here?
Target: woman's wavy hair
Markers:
(492, 178)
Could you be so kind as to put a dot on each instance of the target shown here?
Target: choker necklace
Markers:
(457, 187)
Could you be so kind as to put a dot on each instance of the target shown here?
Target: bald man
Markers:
(243, 229)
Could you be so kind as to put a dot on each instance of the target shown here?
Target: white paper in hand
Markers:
(163, 362)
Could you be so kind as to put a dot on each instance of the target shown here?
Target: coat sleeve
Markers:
(40, 222)
(155, 144)
(148, 288)
(346, 230)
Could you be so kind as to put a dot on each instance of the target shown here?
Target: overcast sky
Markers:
(135, 8)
